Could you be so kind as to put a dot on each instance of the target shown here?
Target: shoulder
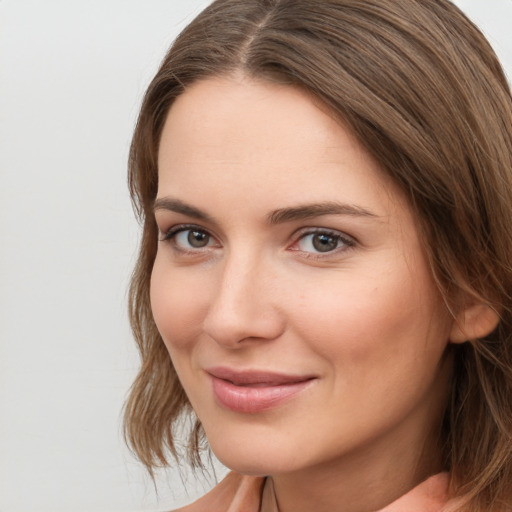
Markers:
(236, 493)
(429, 496)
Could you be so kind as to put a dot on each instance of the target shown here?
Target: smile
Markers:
(252, 392)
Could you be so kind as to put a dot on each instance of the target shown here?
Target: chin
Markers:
(255, 457)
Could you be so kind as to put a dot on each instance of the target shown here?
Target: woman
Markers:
(324, 275)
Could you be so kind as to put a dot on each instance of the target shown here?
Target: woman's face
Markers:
(290, 285)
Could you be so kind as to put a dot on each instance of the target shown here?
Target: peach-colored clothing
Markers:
(238, 493)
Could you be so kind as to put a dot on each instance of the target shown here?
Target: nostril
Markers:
(232, 327)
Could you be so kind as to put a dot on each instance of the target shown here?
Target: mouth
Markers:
(255, 391)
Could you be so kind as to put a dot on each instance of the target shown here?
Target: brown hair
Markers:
(423, 91)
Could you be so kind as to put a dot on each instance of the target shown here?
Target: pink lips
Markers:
(253, 391)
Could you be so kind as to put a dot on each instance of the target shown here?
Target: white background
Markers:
(72, 74)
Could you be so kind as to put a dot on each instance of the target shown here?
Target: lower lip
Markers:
(249, 399)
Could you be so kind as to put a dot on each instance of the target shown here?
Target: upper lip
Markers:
(250, 377)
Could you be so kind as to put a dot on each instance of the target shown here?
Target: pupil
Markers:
(197, 239)
(324, 243)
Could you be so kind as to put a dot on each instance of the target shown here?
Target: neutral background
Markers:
(72, 74)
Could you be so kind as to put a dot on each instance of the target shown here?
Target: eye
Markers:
(322, 242)
(189, 238)
(192, 238)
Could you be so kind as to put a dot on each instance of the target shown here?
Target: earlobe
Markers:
(474, 322)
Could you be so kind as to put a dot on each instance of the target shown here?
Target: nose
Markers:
(244, 305)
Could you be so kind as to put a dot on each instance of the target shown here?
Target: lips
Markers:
(255, 391)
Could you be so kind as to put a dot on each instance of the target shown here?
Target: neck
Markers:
(364, 481)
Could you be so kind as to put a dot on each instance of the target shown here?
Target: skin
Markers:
(365, 318)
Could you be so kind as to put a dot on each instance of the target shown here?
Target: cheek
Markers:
(381, 317)
(178, 304)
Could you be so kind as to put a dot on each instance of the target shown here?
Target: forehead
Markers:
(239, 135)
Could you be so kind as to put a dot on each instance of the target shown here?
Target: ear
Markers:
(473, 322)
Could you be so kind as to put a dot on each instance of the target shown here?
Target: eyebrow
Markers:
(279, 216)
(307, 211)
(177, 206)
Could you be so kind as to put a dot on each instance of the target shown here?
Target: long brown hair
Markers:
(423, 91)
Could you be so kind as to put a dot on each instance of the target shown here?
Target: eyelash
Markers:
(171, 234)
(346, 241)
